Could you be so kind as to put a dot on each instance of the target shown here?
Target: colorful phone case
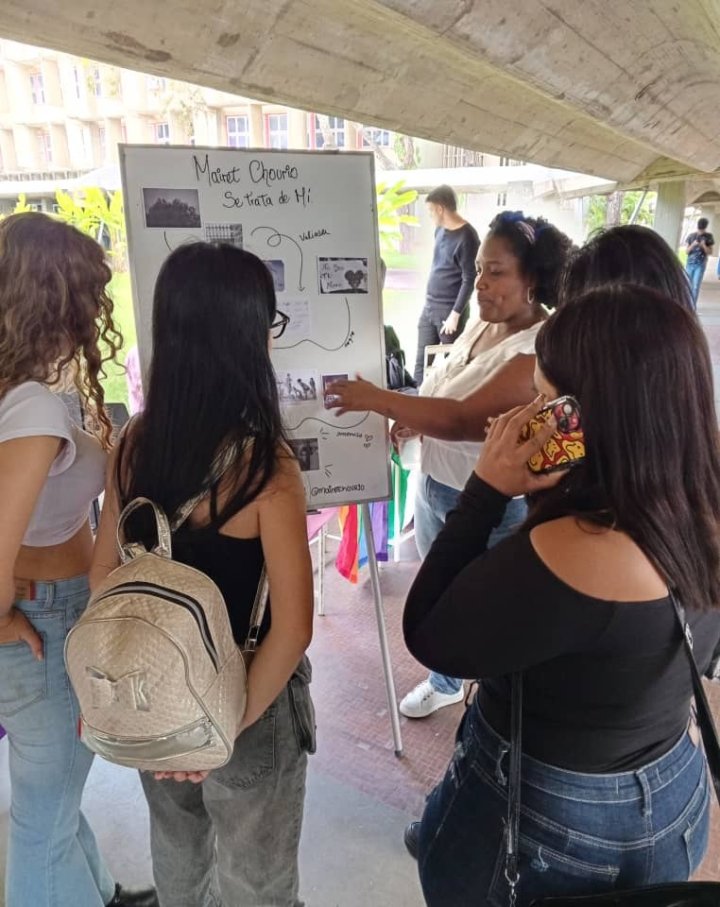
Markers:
(566, 447)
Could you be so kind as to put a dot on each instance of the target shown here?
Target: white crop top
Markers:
(77, 474)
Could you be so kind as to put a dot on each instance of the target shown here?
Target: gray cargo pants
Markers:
(233, 840)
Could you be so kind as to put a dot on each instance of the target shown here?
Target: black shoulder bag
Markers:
(674, 894)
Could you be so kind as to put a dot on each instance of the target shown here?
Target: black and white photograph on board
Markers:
(277, 268)
(299, 386)
(228, 233)
(307, 453)
(169, 208)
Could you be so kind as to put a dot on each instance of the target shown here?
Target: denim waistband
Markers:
(46, 593)
(628, 785)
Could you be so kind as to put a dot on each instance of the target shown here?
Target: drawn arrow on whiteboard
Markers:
(275, 239)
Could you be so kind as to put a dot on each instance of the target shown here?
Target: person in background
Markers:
(614, 785)
(229, 836)
(451, 278)
(518, 270)
(699, 245)
(54, 311)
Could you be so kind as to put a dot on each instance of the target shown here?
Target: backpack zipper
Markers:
(191, 605)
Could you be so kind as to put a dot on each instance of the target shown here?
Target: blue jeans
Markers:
(53, 859)
(695, 272)
(433, 502)
(579, 833)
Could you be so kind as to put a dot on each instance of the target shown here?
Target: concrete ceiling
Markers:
(625, 89)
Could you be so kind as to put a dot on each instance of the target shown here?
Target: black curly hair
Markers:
(540, 248)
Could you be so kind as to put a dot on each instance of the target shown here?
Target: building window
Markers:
(76, 82)
(276, 125)
(37, 88)
(335, 128)
(238, 132)
(96, 82)
(45, 143)
(162, 133)
(102, 143)
(156, 83)
(373, 136)
(461, 157)
(86, 141)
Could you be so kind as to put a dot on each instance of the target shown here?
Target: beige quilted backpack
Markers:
(160, 680)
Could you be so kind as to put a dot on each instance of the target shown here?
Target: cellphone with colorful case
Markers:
(566, 447)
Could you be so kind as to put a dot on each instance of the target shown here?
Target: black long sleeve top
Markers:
(452, 275)
(607, 683)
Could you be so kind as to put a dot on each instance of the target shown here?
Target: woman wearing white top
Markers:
(54, 310)
(518, 270)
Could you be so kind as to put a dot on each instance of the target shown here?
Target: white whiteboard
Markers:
(311, 216)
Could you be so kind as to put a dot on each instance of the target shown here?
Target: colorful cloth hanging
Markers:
(352, 553)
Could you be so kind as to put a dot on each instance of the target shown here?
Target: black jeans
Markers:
(430, 332)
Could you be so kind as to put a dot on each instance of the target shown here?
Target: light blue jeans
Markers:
(695, 272)
(53, 859)
(433, 502)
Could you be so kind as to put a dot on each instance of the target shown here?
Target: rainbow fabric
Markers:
(352, 554)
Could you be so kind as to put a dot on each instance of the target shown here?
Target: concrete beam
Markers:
(600, 86)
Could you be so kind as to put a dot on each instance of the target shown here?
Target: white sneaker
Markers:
(425, 699)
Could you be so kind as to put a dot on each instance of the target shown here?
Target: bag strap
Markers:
(711, 745)
(222, 462)
(512, 827)
(705, 720)
(220, 465)
(258, 612)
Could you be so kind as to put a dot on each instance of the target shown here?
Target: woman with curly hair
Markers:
(54, 314)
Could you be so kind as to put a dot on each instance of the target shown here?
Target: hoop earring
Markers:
(530, 298)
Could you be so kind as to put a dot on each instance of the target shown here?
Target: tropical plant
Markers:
(98, 214)
(21, 205)
(392, 208)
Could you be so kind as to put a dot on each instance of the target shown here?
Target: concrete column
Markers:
(257, 126)
(297, 129)
(669, 211)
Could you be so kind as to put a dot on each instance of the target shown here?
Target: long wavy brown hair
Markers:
(55, 312)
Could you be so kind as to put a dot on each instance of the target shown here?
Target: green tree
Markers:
(391, 200)
(619, 208)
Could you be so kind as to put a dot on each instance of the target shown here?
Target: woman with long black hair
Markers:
(614, 786)
(231, 835)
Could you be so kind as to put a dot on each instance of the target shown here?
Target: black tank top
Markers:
(233, 564)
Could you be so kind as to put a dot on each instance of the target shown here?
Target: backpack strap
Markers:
(258, 611)
(129, 550)
(222, 462)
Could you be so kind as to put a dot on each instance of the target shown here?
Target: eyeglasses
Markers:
(277, 328)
